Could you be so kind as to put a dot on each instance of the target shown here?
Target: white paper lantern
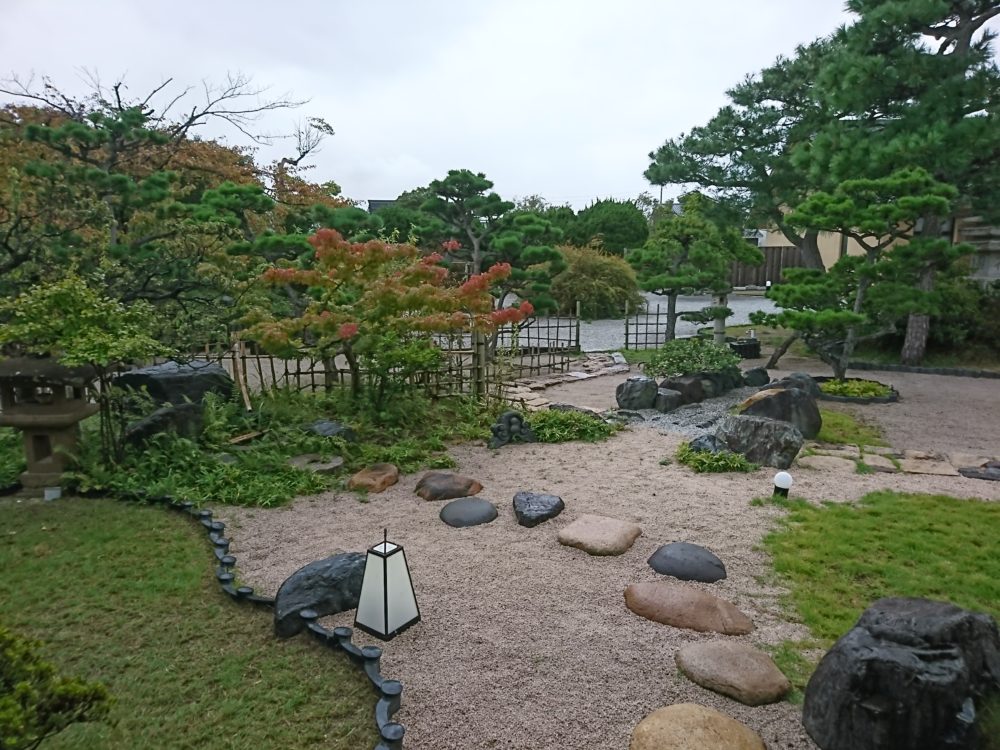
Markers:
(782, 483)
(387, 605)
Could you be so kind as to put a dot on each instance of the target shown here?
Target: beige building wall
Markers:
(832, 245)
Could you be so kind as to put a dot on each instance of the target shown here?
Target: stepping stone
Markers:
(847, 451)
(880, 463)
(968, 460)
(688, 726)
(600, 535)
(881, 450)
(735, 669)
(689, 562)
(683, 606)
(989, 472)
(375, 478)
(468, 511)
(314, 462)
(532, 508)
(444, 485)
(927, 466)
(827, 463)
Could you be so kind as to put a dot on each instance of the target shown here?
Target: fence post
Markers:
(479, 360)
(626, 325)
(578, 308)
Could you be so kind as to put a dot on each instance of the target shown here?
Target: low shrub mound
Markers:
(565, 426)
(708, 462)
(689, 356)
(855, 388)
(11, 456)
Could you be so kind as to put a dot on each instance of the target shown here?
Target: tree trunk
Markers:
(719, 324)
(918, 325)
(782, 350)
(809, 250)
(671, 316)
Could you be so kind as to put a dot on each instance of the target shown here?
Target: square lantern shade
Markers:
(387, 605)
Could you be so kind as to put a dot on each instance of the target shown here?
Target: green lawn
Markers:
(843, 428)
(838, 558)
(125, 594)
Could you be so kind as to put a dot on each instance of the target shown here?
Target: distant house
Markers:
(376, 205)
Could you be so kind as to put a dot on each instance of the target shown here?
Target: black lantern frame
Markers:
(387, 605)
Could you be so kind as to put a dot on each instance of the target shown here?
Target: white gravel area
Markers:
(527, 644)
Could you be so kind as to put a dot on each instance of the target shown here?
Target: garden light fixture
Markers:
(387, 605)
(782, 483)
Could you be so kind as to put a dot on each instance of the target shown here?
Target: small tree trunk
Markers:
(809, 250)
(782, 350)
(670, 332)
(352, 365)
(918, 325)
(719, 324)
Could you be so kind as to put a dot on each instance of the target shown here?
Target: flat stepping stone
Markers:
(688, 726)
(688, 562)
(375, 478)
(532, 508)
(445, 485)
(468, 511)
(686, 607)
(927, 466)
(736, 669)
(968, 460)
(314, 462)
(600, 535)
(847, 451)
(880, 463)
(827, 463)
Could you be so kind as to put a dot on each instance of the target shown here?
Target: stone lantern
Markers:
(46, 401)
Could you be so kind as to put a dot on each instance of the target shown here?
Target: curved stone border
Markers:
(892, 398)
(959, 372)
(368, 657)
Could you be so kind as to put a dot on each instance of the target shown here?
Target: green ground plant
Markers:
(708, 462)
(855, 388)
(139, 610)
(553, 426)
(843, 428)
(692, 355)
(11, 456)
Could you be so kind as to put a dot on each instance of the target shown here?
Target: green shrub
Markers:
(553, 426)
(36, 702)
(11, 456)
(693, 355)
(855, 388)
(604, 284)
(708, 462)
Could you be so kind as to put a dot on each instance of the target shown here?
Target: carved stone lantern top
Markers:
(39, 392)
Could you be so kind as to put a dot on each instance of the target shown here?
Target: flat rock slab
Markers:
(444, 485)
(927, 466)
(314, 462)
(686, 607)
(688, 726)
(846, 451)
(968, 460)
(532, 508)
(600, 535)
(468, 511)
(827, 463)
(376, 478)
(688, 562)
(880, 463)
(736, 669)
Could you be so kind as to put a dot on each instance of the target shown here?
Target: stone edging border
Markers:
(960, 372)
(367, 657)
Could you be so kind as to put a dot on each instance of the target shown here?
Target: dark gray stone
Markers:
(667, 400)
(763, 441)
(326, 586)
(987, 473)
(788, 405)
(179, 382)
(468, 511)
(183, 419)
(688, 562)
(511, 427)
(912, 674)
(531, 508)
(708, 443)
(332, 429)
(638, 392)
(625, 416)
(709, 388)
(689, 386)
(756, 376)
(797, 380)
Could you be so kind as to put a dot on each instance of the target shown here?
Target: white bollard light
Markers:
(782, 483)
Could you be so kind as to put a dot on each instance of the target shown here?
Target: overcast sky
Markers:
(563, 98)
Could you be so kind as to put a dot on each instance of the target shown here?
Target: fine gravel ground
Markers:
(527, 644)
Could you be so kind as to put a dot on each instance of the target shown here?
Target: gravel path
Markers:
(527, 644)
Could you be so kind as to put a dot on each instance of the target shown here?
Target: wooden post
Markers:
(719, 324)
(626, 325)
(578, 308)
(479, 364)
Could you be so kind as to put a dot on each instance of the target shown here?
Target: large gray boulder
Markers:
(763, 441)
(797, 380)
(792, 405)
(326, 586)
(667, 400)
(638, 392)
(186, 420)
(756, 377)
(912, 674)
(179, 382)
(532, 508)
(689, 386)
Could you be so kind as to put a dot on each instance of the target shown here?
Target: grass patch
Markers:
(842, 428)
(839, 558)
(855, 388)
(789, 658)
(708, 462)
(556, 426)
(124, 594)
(11, 456)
